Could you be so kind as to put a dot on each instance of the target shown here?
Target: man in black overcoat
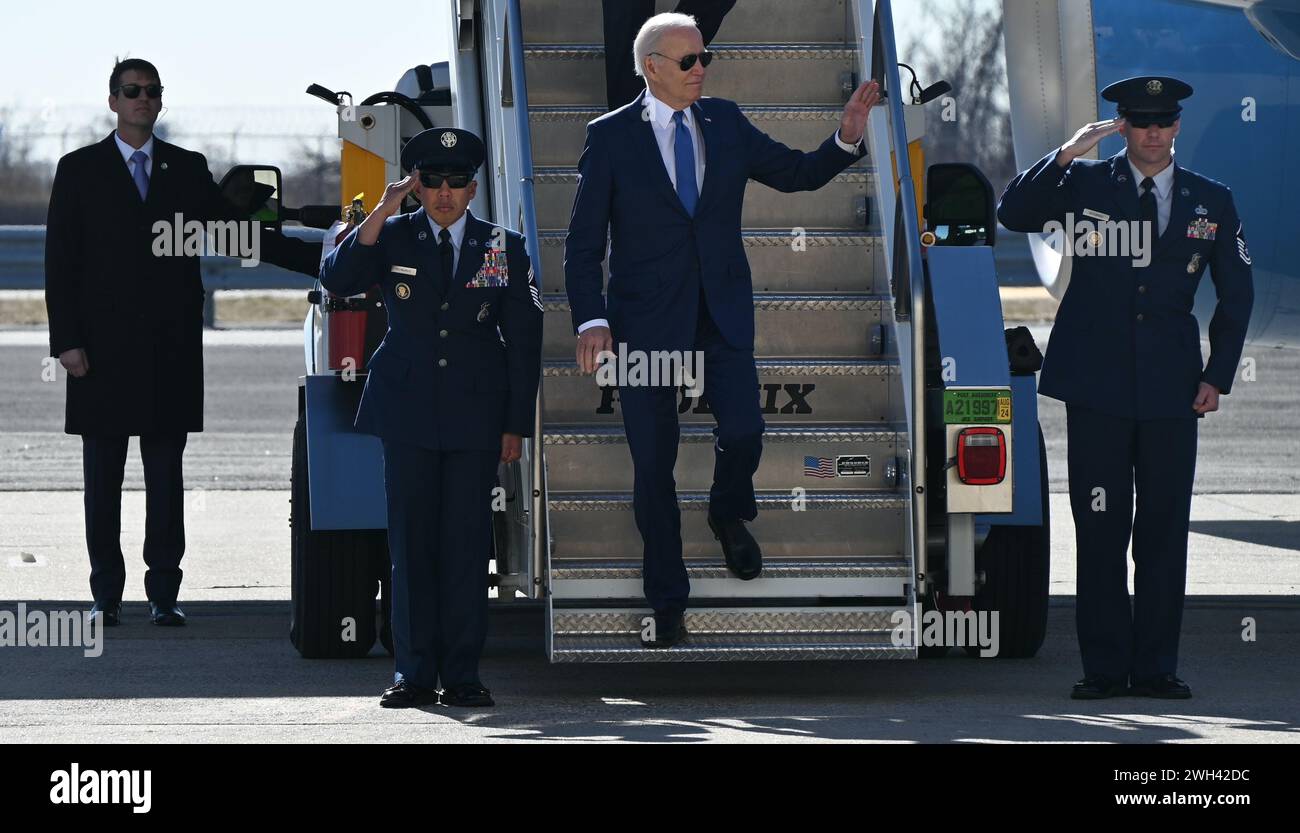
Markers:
(126, 321)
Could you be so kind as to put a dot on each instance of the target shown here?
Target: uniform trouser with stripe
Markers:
(1111, 457)
(730, 386)
(439, 539)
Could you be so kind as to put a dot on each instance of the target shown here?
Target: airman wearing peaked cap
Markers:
(451, 392)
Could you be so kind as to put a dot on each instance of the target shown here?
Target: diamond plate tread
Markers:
(773, 367)
(764, 112)
(693, 650)
(703, 433)
(769, 302)
(565, 175)
(731, 621)
(763, 237)
(722, 634)
(721, 51)
(867, 567)
(698, 501)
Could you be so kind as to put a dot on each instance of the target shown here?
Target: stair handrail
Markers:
(883, 18)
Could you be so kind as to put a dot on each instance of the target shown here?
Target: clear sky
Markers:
(224, 64)
(228, 66)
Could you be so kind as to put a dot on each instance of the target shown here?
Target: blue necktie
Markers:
(141, 176)
(684, 153)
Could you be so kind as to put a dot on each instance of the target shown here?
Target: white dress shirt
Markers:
(660, 116)
(457, 230)
(1164, 190)
(127, 151)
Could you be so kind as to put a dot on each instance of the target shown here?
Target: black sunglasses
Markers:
(133, 90)
(687, 61)
(430, 179)
(1139, 122)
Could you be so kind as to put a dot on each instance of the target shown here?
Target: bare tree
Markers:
(24, 183)
(963, 45)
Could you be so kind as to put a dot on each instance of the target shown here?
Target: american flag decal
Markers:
(532, 289)
(818, 467)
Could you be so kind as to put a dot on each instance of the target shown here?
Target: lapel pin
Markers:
(164, 166)
(1185, 192)
(1121, 178)
(1201, 211)
(403, 291)
(483, 311)
(473, 242)
(1195, 264)
(424, 235)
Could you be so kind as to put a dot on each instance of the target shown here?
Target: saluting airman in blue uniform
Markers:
(1125, 357)
(451, 391)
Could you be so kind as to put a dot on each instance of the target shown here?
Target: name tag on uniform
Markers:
(493, 272)
(1096, 215)
(404, 270)
(1202, 229)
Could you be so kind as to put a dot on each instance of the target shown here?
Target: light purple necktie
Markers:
(141, 175)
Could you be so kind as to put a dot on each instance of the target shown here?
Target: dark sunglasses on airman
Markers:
(430, 179)
(1140, 123)
(133, 90)
(687, 61)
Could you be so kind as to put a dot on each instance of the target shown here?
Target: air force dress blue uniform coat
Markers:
(679, 280)
(454, 372)
(1125, 357)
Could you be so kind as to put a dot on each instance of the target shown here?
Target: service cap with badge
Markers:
(1148, 99)
(444, 150)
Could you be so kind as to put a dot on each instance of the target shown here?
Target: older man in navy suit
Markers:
(664, 176)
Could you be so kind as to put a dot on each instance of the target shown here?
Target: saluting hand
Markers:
(391, 202)
(854, 122)
(1086, 139)
(389, 205)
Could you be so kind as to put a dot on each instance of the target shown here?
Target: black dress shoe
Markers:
(1098, 687)
(739, 548)
(404, 695)
(669, 629)
(166, 614)
(469, 694)
(1163, 686)
(111, 611)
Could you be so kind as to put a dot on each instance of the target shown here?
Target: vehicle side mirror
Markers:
(255, 191)
(959, 205)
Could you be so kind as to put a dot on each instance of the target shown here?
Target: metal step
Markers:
(842, 203)
(559, 132)
(825, 326)
(790, 524)
(818, 261)
(763, 73)
(884, 576)
(802, 391)
(564, 21)
(739, 633)
(596, 458)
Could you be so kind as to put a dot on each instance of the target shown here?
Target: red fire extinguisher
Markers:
(347, 315)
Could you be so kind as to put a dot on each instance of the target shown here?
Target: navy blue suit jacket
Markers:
(452, 373)
(1101, 355)
(658, 254)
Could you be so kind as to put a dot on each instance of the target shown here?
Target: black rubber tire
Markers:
(333, 575)
(1016, 562)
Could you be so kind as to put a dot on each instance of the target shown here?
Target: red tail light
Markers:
(981, 456)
